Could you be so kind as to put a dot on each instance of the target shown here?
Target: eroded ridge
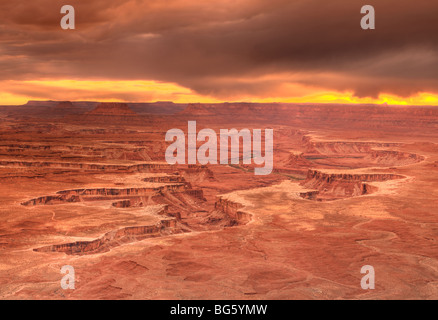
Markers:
(234, 210)
(356, 154)
(115, 238)
(338, 185)
(92, 190)
(185, 207)
(94, 194)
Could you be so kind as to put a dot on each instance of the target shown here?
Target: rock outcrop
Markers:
(111, 113)
(333, 186)
(321, 115)
(112, 109)
(114, 238)
(95, 194)
(233, 210)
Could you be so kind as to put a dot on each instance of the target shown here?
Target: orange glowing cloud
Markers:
(421, 99)
(242, 50)
(19, 92)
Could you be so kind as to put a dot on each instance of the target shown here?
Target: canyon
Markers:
(87, 184)
(228, 142)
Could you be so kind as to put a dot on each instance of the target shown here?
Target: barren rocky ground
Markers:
(87, 185)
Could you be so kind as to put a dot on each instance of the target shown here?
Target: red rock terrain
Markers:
(86, 184)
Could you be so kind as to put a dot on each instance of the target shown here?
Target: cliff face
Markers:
(342, 147)
(332, 186)
(79, 152)
(70, 165)
(361, 154)
(123, 204)
(190, 172)
(385, 157)
(297, 161)
(56, 199)
(94, 194)
(113, 239)
(165, 179)
(331, 177)
(233, 210)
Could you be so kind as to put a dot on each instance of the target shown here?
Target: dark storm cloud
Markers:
(222, 48)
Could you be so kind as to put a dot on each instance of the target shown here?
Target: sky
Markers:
(222, 50)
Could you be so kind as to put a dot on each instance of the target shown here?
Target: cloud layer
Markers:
(227, 49)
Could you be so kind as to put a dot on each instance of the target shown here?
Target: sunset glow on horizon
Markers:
(151, 91)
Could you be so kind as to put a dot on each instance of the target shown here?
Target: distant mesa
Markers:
(112, 109)
(159, 107)
(199, 109)
(48, 109)
(114, 113)
(234, 109)
(63, 108)
(86, 111)
(37, 103)
(64, 105)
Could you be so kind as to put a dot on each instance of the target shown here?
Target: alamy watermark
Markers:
(367, 22)
(208, 151)
(68, 21)
(68, 281)
(369, 279)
